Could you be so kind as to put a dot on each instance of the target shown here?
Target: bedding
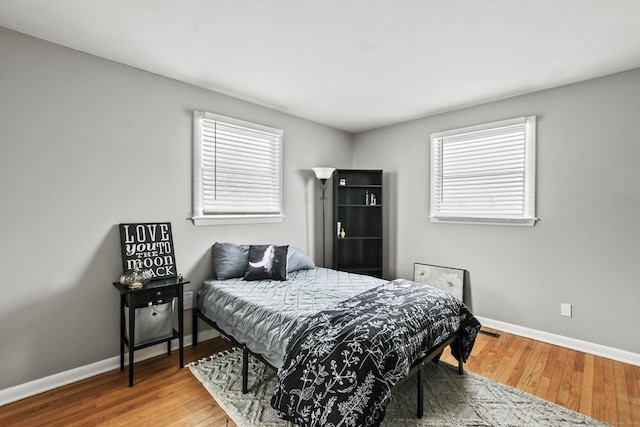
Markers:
(298, 260)
(342, 363)
(263, 314)
(267, 262)
(230, 260)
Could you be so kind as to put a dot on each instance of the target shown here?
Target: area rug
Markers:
(451, 400)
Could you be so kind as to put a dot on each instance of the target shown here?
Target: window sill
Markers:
(231, 219)
(528, 222)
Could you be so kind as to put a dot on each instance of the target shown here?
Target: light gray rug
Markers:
(450, 399)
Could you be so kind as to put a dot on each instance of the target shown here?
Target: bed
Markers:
(339, 341)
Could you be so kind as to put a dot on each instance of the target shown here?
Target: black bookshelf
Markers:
(357, 206)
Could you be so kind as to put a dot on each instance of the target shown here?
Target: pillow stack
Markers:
(257, 262)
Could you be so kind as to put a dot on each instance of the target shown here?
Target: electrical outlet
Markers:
(565, 310)
(187, 300)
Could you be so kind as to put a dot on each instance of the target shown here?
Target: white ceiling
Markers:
(351, 64)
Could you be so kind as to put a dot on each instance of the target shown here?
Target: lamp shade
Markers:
(323, 173)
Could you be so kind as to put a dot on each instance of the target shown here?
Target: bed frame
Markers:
(417, 368)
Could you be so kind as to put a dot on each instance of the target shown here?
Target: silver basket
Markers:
(154, 322)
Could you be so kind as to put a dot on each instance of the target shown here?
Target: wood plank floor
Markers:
(165, 395)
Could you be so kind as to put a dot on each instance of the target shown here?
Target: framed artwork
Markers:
(150, 246)
(450, 280)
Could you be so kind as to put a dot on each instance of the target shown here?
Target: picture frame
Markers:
(450, 280)
(150, 246)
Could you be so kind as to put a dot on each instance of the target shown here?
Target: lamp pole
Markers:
(323, 174)
(323, 187)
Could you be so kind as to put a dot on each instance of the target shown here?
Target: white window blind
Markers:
(484, 174)
(237, 170)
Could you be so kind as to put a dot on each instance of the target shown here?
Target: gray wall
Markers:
(86, 144)
(585, 248)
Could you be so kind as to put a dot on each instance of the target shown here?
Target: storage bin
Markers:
(153, 322)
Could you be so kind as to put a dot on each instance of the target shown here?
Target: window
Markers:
(237, 171)
(485, 174)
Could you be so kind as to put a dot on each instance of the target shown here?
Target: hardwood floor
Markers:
(601, 388)
(165, 395)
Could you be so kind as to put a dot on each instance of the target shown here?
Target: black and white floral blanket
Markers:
(342, 363)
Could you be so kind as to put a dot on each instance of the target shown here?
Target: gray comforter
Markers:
(263, 314)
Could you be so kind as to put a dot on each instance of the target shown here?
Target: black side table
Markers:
(130, 299)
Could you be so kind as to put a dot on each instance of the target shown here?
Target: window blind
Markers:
(484, 173)
(240, 167)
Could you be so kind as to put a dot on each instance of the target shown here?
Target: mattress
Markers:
(263, 314)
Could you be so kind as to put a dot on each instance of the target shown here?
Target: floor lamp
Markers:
(323, 174)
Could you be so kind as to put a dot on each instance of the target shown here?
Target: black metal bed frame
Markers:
(417, 368)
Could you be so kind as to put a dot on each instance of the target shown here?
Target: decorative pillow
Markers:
(267, 262)
(229, 260)
(298, 260)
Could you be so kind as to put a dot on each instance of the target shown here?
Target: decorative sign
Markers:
(149, 246)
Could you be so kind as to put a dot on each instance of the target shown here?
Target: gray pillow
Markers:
(298, 260)
(229, 260)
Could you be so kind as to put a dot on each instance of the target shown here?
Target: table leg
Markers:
(132, 339)
(181, 324)
(122, 330)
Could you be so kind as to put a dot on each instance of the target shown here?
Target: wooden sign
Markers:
(149, 246)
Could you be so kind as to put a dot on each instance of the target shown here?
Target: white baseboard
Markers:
(574, 344)
(31, 388)
(41, 385)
